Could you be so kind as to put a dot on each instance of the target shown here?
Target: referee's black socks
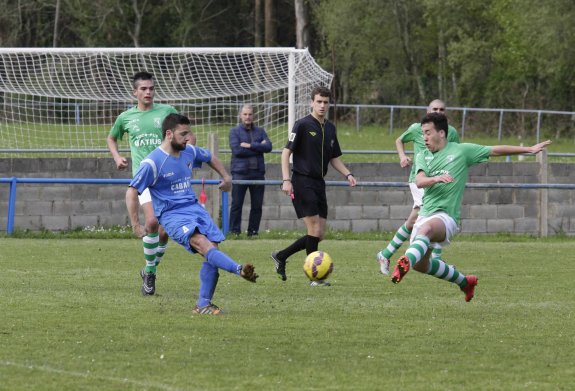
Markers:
(311, 244)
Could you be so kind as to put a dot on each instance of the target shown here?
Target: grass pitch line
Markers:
(89, 376)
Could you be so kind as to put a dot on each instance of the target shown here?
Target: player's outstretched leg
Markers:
(444, 271)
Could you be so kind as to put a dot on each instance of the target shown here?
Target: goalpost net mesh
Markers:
(63, 102)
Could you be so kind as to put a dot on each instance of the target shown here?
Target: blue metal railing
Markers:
(14, 181)
(225, 201)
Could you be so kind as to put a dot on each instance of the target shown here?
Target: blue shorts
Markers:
(181, 223)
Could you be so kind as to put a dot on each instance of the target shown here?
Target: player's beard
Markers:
(177, 146)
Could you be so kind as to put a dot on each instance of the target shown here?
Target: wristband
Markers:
(286, 180)
(347, 176)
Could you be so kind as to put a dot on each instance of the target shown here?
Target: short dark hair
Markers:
(321, 91)
(438, 120)
(143, 75)
(172, 120)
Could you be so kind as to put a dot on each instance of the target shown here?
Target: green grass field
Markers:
(72, 318)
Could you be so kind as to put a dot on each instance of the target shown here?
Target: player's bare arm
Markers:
(121, 162)
(132, 204)
(342, 169)
(422, 180)
(499, 150)
(286, 177)
(404, 160)
(218, 167)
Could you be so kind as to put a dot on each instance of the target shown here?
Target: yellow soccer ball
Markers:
(318, 266)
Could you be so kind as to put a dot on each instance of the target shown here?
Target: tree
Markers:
(270, 23)
(258, 41)
(302, 24)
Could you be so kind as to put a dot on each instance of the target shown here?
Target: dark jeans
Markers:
(257, 200)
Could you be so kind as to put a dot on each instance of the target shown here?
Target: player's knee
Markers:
(152, 225)
(201, 244)
(163, 234)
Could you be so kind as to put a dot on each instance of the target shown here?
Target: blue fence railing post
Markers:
(225, 213)
(11, 206)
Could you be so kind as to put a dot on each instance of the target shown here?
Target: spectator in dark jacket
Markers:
(248, 144)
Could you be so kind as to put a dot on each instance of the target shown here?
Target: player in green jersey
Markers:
(442, 170)
(412, 134)
(143, 126)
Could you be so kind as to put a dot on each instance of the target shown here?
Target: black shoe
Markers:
(252, 233)
(148, 283)
(280, 265)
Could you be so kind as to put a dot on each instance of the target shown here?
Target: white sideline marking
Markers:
(88, 375)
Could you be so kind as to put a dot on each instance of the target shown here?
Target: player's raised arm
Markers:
(499, 150)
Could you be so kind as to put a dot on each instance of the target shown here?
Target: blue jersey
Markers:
(168, 177)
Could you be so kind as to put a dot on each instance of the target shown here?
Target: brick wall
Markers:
(64, 207)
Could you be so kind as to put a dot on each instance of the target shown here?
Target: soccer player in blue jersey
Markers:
(167, 172)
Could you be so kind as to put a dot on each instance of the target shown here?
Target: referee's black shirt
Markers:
(313, 145)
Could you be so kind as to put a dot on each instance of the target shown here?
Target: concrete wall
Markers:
(65, 207)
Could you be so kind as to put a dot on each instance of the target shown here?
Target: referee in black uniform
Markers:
(313, 143)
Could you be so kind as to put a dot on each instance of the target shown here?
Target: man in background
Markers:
(248, 144)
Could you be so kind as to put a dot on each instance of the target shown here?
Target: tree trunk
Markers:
(401, 13)
(138, 17)
(56, 26)
(270, 23)
(302, 24)
(441, 66)
(258, 37)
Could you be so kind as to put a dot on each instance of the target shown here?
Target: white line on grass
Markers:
(88, 375)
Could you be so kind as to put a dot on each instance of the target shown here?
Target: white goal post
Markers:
(63, 101)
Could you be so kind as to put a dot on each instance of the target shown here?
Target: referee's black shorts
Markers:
(309, 196)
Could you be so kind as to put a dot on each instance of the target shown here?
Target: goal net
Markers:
(62, 102)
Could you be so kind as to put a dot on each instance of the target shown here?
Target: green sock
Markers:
(400, 236)
(160, 252)
(417, 249)
(442, 270)
(151, 242)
